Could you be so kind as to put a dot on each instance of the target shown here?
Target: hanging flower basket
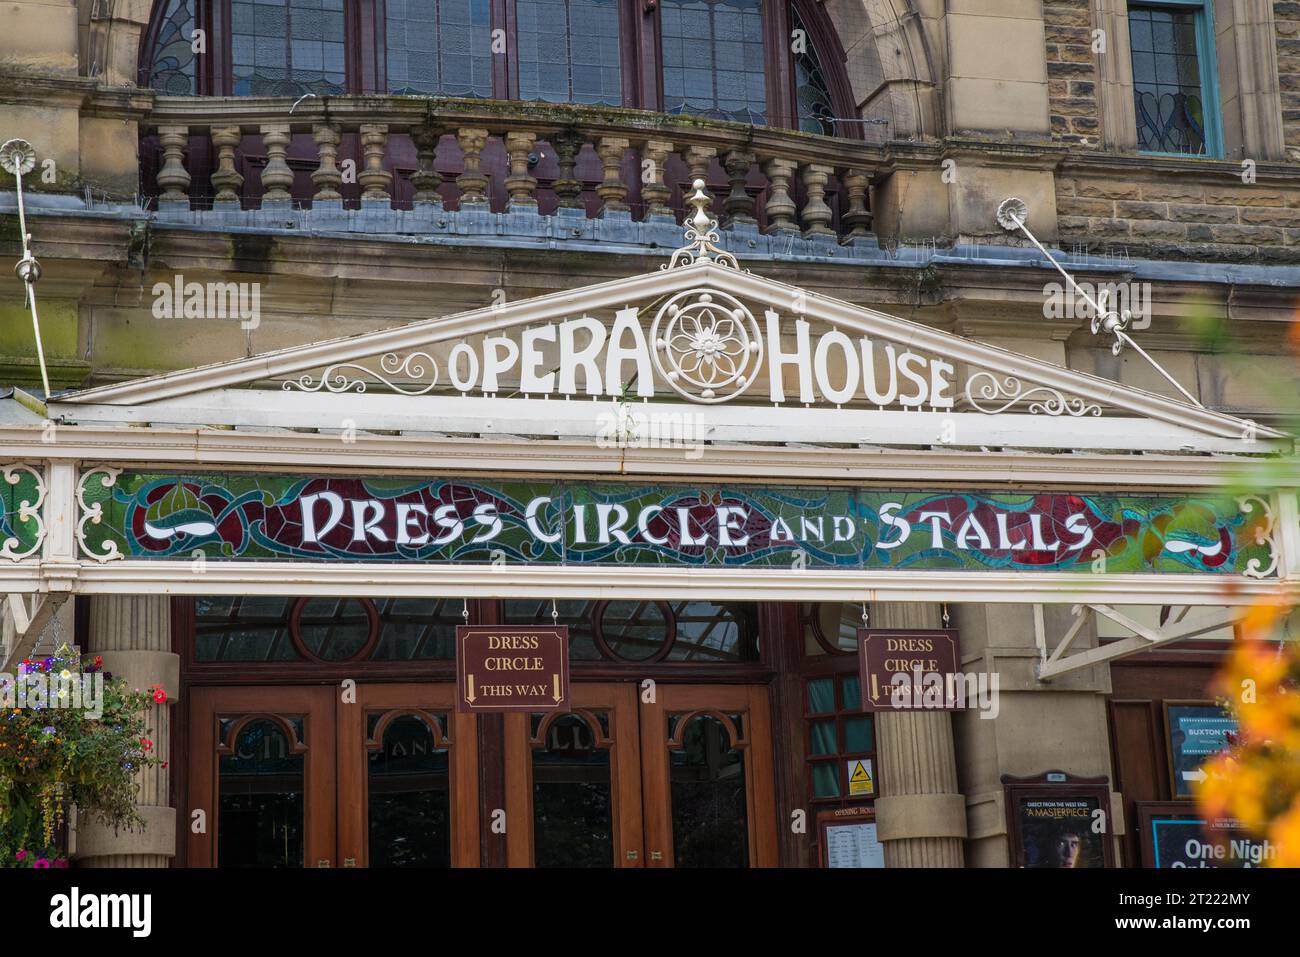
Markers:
(69, 734)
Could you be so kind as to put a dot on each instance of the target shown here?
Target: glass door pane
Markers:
(408, 786)
(261, 794)
(407, 778)
(707, 777)
(573, 785)
(262, 771)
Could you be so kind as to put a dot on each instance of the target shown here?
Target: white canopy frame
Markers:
(212, 418)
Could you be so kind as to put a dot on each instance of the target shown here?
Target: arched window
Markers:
(725, 59)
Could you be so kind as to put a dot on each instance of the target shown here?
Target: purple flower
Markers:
(49, 729)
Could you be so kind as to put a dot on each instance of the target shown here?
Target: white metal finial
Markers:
(702, 235)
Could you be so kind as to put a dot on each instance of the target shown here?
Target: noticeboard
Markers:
(848, 838)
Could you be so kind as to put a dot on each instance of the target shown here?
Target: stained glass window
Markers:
(812, 93)
(440, 46)
(713, 59)
(289, 48)
(569, 51)
(1170, 100)
(172, 69)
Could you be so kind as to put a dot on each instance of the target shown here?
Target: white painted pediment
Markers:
(731, 354)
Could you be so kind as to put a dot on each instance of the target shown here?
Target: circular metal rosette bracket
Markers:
(707, 345)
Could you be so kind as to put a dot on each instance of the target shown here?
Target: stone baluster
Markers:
(612, 190)
(376, 182)
(277, 177)
(173, 178)
(326, 177)
(568, 187)
(857, 220)
(426, 179)
(654, 190)
(697, 160)
(780, 207)
(226, 179)
(816, 214)
(739, 205)
(472, 182)
(520, 183)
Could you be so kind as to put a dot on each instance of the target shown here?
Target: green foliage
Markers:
(69, 734)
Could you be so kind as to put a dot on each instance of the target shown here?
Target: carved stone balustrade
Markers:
(450, 169)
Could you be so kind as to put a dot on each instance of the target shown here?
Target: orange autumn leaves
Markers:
(1257, 780)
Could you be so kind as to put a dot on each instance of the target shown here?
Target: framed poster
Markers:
(848, 838)
(1055, 819)
(1194, 732)
(1175, 834)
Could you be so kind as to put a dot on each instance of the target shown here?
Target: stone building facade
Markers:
(355, 209)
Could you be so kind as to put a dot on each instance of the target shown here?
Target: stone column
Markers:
(920, 813)
(133, 633)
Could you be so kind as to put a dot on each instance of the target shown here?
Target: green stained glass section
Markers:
(21, 510)
(503, 522)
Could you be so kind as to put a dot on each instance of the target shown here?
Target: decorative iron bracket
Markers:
(1056, 663)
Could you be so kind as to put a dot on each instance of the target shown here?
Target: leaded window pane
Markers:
(441, 47)
(569, 51)
(287, 49)
(1169, 101)
(172, 67)
(812, 93)
(713, 59)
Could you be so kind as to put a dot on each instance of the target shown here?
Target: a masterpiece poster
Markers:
(1059, 832)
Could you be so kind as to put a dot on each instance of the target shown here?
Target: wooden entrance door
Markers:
(683, 780)
(381, 775)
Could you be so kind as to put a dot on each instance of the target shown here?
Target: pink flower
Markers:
(159, 696)
(20, 855)
(41, 862)
(61, 862)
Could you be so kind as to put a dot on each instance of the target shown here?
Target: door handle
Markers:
(656, 855)
(631, 855)
(323, 862)
(349, 862)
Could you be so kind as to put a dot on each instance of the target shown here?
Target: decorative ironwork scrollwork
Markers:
(28, 511)
(94, 513)
(702, 236)
(1265, 534)
(707, 345)
(416, 365)
(1052, 401)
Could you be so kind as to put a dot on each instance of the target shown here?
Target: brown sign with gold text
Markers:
(923, 656)
(506, 668)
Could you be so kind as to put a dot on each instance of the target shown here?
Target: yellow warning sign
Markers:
(860, 783)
